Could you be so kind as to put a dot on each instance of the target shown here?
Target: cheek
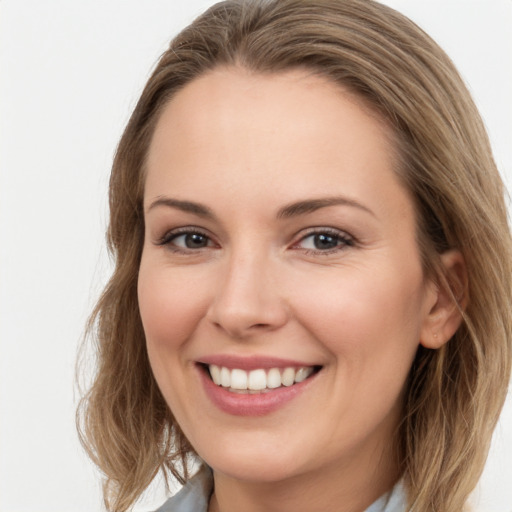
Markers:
(170, 305)
(367, 318)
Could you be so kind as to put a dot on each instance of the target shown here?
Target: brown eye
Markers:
(195, 241)
(323, 241)
(190, 240)
(186, 240)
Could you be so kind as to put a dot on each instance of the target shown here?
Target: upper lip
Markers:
(252, 362)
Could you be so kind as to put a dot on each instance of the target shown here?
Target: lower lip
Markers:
(246, 404)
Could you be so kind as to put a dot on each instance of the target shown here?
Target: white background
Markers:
(70, 73)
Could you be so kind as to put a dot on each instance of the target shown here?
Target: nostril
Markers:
(243, 316)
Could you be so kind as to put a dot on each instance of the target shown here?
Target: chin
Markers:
(253, 463)
(261, 471)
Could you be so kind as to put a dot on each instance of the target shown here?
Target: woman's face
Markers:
(279, 246)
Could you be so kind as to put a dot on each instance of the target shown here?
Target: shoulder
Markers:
(393, 501)
(194, 496)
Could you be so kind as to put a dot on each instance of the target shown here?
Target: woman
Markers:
(312, 283)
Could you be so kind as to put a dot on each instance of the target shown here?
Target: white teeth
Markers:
(273, 378)
(238, 379)
(288, 376)
(215, 373)
(259, 380)
(225, 378)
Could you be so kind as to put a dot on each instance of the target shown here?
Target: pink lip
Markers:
(251, 363)
(245, 404)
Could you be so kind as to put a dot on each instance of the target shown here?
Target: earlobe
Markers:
(449, 299)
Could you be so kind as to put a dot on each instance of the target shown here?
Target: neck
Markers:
(344, 486)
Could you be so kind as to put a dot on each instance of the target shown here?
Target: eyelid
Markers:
(347, 239)
(171, 234)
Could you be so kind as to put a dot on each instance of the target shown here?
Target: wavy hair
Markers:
(454, 394)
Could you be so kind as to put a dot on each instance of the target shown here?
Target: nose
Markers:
(248, 299)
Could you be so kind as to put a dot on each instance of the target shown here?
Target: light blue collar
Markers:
(195, 496)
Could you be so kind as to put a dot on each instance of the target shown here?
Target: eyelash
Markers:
(342, 239)
(171, 236)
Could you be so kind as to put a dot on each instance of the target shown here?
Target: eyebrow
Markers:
(290, 210)
(185, 206)
(311, 205)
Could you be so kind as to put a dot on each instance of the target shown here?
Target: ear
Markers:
(449, 297)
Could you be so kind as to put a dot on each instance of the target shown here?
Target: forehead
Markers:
(264, 102)
(232, 129)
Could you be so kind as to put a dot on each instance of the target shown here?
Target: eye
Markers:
(325, 241)
(186, 240)
(191, 241)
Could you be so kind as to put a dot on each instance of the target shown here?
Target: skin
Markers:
(245, 146)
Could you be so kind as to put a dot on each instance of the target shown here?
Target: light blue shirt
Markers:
(195, 495)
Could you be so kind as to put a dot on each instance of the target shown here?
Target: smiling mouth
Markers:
(260, 380)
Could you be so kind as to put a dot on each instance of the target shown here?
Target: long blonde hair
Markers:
(454, 394)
